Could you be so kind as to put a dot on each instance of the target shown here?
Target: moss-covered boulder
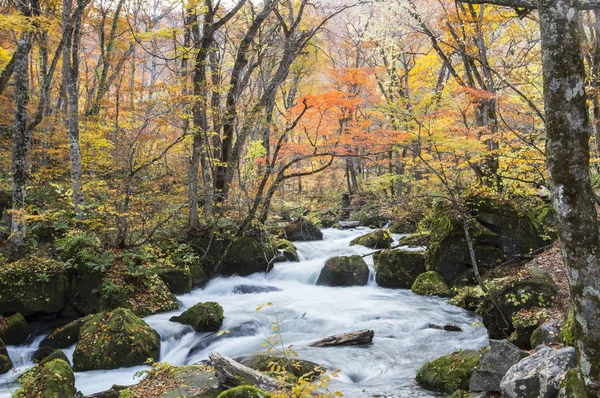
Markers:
(53, 379)
(177, 279)
(522, 289)
(45, 354)
(430, 283)
(14, 329)
(302, 229)
(5, 362)
(168, 381)
(296, 368)
(344, 271)
(33, 285)
(114, 340)
(398, 268)
(416, 239)
(67, 335)
(378, 239)
(468, 297)
(450, 372)
(246, 255)
(244, 392)
(573, 385)
(203, 317)
(287, 250)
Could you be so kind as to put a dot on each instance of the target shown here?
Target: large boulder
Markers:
(33, 285)
(302, 230)
(53, 379)
(378, 239)
(430, 283)
(168, 381)
(177, 279)
(5, 362)
(203, 317)
(494, 364)
(450, 372)
(538, 375)
(67, 335)
(398, 268)
(14, 329)
(344, 271)
(114, 340)
(546, 334)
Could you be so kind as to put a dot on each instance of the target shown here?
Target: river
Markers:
(305, 313)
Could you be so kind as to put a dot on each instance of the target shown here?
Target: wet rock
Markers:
(253, 289)
(546, 334)
(430, 283)
(302, 230)
(344, 271)
(450, 327)
(450, 372)
(116, 339)
(54, 379)
(5, 362)
(359, 337)
(539, 375)
(33, 285)
(14, 329)
(288, 251)
(203, 317)
(67, 335)
(45, 353)
(378, 239)
(495, 362)
(398, 268)
(348, 224)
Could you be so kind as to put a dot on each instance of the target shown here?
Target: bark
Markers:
(359, 337)
(232, 374)
(567, 130)
(6, 74)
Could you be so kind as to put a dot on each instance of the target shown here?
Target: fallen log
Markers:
(232, 374)
(351, 338)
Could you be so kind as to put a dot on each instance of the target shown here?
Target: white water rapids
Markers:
(306, 313)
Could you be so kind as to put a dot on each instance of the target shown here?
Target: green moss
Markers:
(468, 297)
(14, 329)
(344, 271)
(416, 239)
(203, 317)
(450, 372)
(295, 367)
(33, 285)
(567, 332)
(288, 250)
(573, 385)
(54, 379)
(116, 339)
(5, 362)
(430, 283)
(244, 392)
(378, 239)
(399, 268)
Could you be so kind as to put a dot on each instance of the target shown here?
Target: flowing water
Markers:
(305, 313)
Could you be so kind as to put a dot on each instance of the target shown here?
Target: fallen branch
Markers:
(232, 374)
(359, 337)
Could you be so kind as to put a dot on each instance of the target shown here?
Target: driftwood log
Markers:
(232, 374)
(351, 338)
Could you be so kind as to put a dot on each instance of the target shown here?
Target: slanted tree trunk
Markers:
(567, 130)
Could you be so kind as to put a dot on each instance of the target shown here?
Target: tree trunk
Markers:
(567, 129)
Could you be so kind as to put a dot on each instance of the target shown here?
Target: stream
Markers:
(305, 313)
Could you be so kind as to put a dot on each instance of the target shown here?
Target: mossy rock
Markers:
(45, 354)
(85, 290)
(302, 229)
(430, 283)
(567, 331)
(168, 381)
(5, 362)
(573, 385)
(114, 340)
(295, 367)
(67, 335)
(416, 239)
(33, 285)
(288, 250)
(177, 279)
(399, 268)
(247, 255)
(378, 239)
(244, 392)
(344, 271)
(203, 317)
(198, 274)
(53, 379)
(468, 297)
(14, 329)
(450, 372)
